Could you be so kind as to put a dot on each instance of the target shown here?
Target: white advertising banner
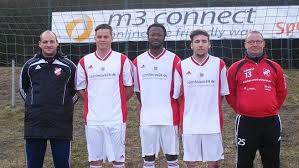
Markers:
(221, 22)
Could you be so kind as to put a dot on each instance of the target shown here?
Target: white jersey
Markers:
(200, 87)
(104, 81)
(154, 81)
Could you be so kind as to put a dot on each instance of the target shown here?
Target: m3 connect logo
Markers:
(87, 25)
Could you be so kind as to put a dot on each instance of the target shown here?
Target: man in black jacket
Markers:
(47, 86)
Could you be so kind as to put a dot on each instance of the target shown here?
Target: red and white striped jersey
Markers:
(154, 80)
(104, 81)
(200, 87)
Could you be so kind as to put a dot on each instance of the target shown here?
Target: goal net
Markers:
(226, 21)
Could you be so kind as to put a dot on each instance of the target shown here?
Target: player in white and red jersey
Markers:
(199, 84)
(159, 116)
(104, 80)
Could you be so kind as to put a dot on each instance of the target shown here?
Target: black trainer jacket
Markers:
(48, 88)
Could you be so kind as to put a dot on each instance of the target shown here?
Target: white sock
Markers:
(173, 164)
(119, 165)
(149, 164)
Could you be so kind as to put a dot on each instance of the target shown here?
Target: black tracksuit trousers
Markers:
(263, 134)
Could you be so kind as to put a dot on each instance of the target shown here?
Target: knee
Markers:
(171, 157)
(96, 163)
(213, 164)
(190, 164)
(150, 158)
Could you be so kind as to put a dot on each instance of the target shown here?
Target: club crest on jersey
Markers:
(266, 72)
(143, 66)
(57, 71)
(103, 68)
(90, 67)
(188, 73)
(155, 68)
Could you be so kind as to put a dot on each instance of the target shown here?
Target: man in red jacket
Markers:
(257, 91)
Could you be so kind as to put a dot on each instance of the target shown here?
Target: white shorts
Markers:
(155, 136)
(106, 142)
(202, 147)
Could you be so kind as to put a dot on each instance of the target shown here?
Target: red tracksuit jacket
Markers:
(256, 89)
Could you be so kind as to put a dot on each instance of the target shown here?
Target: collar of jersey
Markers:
(105, 57)
(157, 57)
(263, 58)
(202, 63)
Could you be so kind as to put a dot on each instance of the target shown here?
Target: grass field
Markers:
(12, 143)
